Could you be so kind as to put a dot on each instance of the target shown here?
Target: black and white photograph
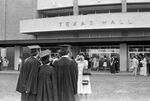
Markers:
(74, 50)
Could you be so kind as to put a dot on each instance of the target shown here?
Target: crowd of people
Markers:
(140, 65)
(4, 62)
(105, 63)
(63, 78)
(41, 79)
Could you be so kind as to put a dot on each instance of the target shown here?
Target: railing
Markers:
(58, 4)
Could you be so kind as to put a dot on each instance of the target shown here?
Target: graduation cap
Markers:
(65, 47)
(34, 47)
(45, 53)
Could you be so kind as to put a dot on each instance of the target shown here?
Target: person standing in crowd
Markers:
(81, 66)
(105, 63)
(56, 57)
(28, 77)
(86, 58)
(116, 64)
(148, 65)
(5, 63)
(47, 83)
(135, 64)
(112, 65)
(1, 63)
(67, 75)
(86, 85)
(95, 63)
(143, 68)
(20, 63)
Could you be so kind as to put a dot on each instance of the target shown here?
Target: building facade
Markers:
(95, 27)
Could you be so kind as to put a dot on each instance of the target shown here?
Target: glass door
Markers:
(100, 55)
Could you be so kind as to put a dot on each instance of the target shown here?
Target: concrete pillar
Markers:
(18, 53)
(75, 51)
(2, 19)
(123, 56)
(3, 52)
(75, 7)
(34, 9)
(124, 6)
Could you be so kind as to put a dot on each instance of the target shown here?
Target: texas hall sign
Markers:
(85, 22)
(93, 22)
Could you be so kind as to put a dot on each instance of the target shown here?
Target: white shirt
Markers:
(135, 62)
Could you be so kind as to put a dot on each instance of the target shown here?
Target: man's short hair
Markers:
(45, 59)
(33, 52)
(64, 50)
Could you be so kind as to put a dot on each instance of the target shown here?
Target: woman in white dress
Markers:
(143, 69)
(95, 62)
(82, 64)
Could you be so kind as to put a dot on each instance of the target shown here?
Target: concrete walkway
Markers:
(122, 86)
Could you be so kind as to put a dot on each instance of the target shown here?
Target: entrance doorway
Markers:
(137, 50)
(99, 56)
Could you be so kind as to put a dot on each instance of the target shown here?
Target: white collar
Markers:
(65, 56)
(45, 64)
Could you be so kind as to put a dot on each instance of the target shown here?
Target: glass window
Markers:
(147, 49)
(135, 49)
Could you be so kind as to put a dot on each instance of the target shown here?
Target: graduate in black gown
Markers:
(67, 75)
(112, 65)
(47, 84)
(28, 77)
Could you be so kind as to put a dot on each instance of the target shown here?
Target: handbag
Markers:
(86, 72)
(85, 82)
(140, 64)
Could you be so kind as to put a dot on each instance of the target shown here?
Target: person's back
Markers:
(47, 89)
(28, 77)
(32, 67)
(135, 62)
(5, 63)
(1, 63)
(28, 72)
(66, 70)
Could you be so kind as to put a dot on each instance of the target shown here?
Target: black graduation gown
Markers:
(47, 84)
(28, 78)
(116, 64)
(67, 76)
(112, 66)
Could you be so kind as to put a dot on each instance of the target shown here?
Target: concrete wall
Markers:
(10, 57)
(2, 19)
(11, 12)
(123, 57)
(16, 10)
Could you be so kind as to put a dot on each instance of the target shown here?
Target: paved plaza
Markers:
(105, 87)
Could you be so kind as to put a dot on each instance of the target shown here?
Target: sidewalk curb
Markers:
(92, 72)
(108, 73)
(9, 72)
